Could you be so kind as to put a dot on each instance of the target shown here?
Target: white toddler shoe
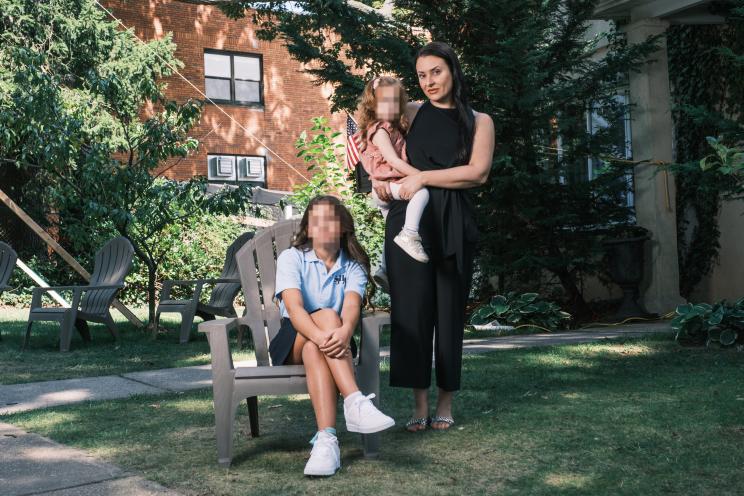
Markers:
(411, 244)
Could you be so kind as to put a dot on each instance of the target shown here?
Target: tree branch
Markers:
(385, 10)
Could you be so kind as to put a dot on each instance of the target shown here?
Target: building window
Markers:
(622, 150)
(233, 77)
(237, 168)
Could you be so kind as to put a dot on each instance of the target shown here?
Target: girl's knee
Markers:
(326, 317)
(310, 349)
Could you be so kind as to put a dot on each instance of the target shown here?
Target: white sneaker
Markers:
(364, 417)
(381, 280)
(411, 244)
(325, 458)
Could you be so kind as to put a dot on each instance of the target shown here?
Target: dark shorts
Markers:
(281, 346)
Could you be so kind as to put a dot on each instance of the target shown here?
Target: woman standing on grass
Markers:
(320, 284)
(452, 145)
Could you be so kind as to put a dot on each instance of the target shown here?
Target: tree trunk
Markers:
(577, 305)
(151, 273)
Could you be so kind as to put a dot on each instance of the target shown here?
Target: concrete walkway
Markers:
(34, 465)
(30, 396)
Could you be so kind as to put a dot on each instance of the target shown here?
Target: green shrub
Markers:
(527, 309)
(330, 177)
(197, 250)
(702, 323)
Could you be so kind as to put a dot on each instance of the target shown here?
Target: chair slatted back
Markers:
(8, 259)
(224, 293)
(113, 262)
(257, 266)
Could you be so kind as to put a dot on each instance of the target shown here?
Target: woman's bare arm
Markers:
(462, 176)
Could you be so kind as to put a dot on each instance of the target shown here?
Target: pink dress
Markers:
(372, 160)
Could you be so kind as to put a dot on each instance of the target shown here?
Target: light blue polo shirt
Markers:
(320, 287)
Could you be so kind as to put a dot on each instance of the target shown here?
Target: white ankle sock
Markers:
(349, 400)
(409, 232)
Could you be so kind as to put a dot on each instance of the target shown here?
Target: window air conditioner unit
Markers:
(250, 168)
(225, 167)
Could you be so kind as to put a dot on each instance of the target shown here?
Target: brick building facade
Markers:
(254, 81)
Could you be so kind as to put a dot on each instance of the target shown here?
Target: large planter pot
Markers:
(626, 264)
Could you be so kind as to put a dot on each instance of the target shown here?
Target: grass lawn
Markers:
(136, 350)
(626, 417)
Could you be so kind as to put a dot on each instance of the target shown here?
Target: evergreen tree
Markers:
(530, 66)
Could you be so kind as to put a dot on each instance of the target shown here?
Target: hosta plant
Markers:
(698, 323)
(527, 309)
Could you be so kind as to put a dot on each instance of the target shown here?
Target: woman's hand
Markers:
(337, 341)
(382, 188)
(409, 185)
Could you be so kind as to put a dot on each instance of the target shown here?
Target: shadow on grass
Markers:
(135, 350)
(634, 417)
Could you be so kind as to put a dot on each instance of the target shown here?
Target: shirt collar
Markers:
(310, 256)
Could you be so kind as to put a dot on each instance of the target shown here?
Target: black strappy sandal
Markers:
(441, 420)
(423, 421)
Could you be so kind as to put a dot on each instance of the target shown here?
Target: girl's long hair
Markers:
(459, 95)
(349, 242)
(368, 106)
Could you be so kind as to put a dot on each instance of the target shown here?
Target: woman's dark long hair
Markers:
(459, 95)
(349, 242)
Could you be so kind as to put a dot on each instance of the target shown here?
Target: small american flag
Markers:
(352, 143)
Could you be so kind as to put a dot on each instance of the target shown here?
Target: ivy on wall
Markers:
(706, 67)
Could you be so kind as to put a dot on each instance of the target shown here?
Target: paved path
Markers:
(34, 465)
(30, 396)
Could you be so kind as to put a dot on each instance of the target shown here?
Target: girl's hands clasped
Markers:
(336, 343)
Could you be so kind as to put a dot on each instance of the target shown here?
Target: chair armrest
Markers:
(81, 288)
(179, 282)
(188, 282)
(77, 292)
(169, 284)
(217, 332)
(369, 347)
(221, 280)
(368, 366)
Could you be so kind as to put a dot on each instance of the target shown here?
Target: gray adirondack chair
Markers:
(220, 303)
(89, 303)
(230, 384)
(8, 259)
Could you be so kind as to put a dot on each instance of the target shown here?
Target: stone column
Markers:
(652, 131)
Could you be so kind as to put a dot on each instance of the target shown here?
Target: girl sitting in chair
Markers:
(320, 284)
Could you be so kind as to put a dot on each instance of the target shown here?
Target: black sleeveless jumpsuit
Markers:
(428, 300)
